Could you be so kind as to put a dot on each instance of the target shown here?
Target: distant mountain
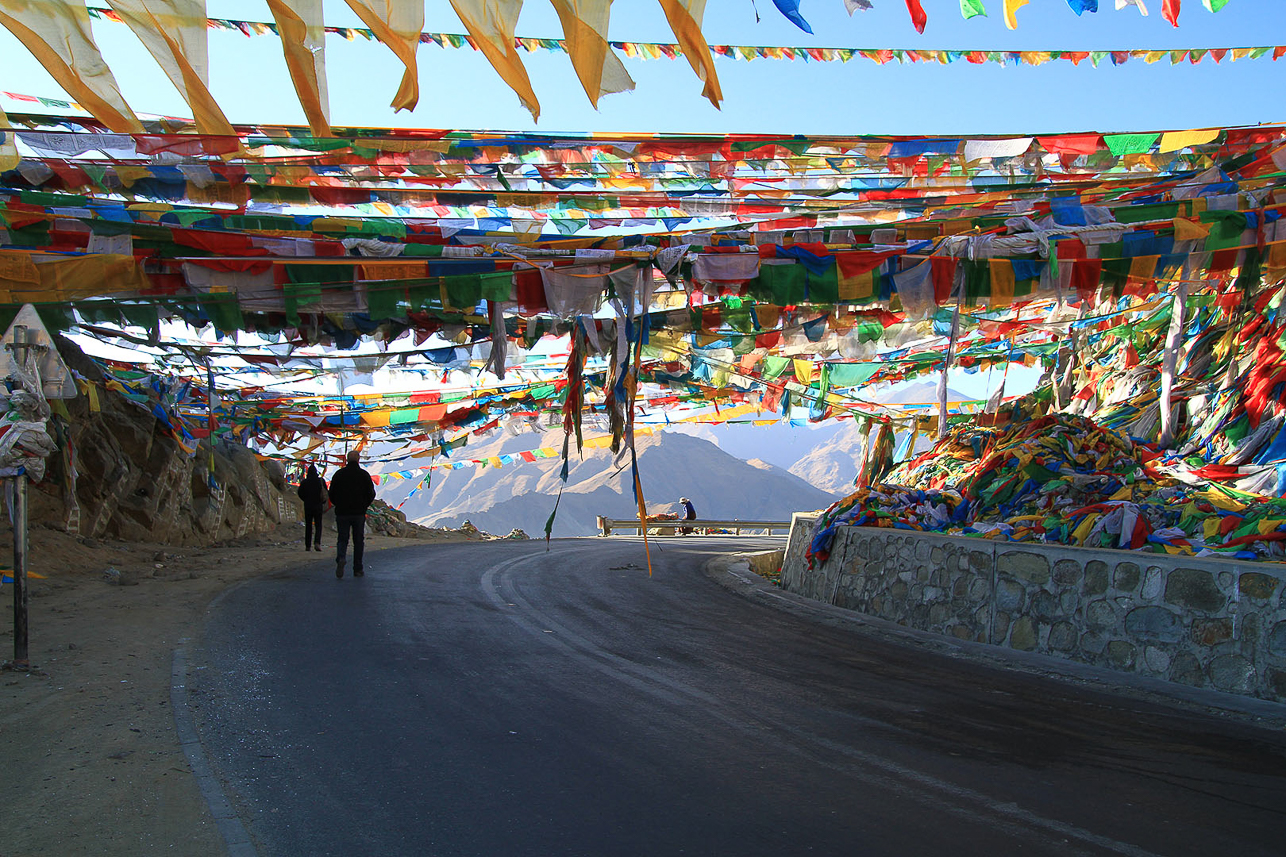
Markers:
(671, 465)
(833, 465)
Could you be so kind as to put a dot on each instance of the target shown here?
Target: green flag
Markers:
(973, 8)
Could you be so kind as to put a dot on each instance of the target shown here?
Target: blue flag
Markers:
(790, 8)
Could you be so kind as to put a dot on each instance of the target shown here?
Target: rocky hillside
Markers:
(120, 474)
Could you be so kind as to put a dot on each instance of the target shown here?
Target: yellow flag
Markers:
(8, 145)
(1012, 6)
(685, 20)
(492, 24)
(173, 31)
(57, 32)
(1002, 282)
(1173, 141)
(303, 40)
(397, 23)
(585, 32)
(1189, 230)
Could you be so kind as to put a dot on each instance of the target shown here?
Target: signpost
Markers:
(28, 350)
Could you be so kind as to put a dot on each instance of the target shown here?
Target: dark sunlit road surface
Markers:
(494, 699)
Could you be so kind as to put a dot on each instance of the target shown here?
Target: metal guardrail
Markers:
(672, 527)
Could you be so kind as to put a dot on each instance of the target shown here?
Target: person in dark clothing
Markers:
(689, 513)
(351, 492)
(312, 490)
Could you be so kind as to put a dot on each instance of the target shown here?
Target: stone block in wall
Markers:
(1062, 637)
(1095, 581)
(1044, 607)
(1153, 583)
(1025, 635)
(1157, 660)
(1121, 654)
(1233, 674)
(1277, 682)
(1277, 640)
(1067, 572)
(1093, 643)
(1195, 589)
(1154, 623)
(1009, 595)
(1186, 669)
(1252, 584)
(1211, 632)
(1102, 614)
(1126, 576)
(1032, 568)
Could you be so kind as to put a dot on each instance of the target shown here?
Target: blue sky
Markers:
(460, 90)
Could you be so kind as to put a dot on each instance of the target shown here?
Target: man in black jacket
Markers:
(351, 491)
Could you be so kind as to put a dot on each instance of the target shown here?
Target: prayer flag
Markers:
(1002, 282)
(1011, 7)
(918, 18)
(972, 8)
(585, 34)
(9, 157)
(685, 18)
(303, 41)
(492, 24)
(58, 34)
(1170, 11)
(397, 24)
(174, 33)
(1138, 4)
(790, 8)
(1173, 141)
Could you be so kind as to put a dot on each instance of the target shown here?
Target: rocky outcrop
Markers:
(120, 474)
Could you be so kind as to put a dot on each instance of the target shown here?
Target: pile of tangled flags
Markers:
(1065, 479)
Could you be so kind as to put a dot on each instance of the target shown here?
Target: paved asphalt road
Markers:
(493, 699)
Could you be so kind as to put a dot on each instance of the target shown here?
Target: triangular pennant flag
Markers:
(491, 23)
(685, 18)
(585, 34)
(397, 24)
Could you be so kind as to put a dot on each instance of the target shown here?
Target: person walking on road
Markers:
(351, 491)
(312, 490)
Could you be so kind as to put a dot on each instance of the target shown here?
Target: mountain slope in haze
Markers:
(671, 465)
(833, 465)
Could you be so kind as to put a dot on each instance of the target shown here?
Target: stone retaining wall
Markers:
(1207, 623)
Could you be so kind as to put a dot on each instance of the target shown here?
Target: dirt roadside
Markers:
(91, 759)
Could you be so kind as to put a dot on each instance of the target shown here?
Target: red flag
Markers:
(920, 19)
(1170, 11)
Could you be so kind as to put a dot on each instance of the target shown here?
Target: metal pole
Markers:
(20, 657)
(20, 571)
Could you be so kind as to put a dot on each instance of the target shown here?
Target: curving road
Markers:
(495, 699)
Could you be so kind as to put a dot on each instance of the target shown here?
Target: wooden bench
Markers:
(672, 527)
